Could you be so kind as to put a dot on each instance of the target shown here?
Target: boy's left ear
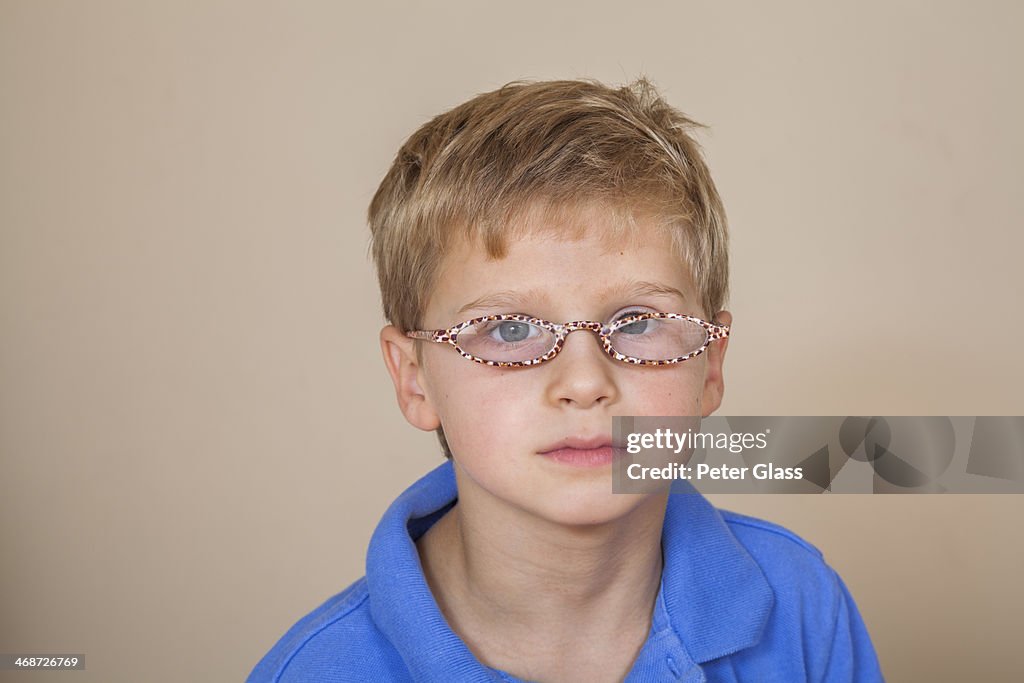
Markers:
(714, 383)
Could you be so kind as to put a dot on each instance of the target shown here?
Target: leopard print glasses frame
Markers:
(618, 333)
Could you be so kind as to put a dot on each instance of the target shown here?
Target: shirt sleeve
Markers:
(853, 658)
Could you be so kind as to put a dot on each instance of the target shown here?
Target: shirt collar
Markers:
(715, 599)
(402, 606)
(715, 593)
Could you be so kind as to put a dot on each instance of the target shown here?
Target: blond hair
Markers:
(472, 171)
(539, 150)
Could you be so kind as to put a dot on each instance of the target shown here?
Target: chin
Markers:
(591, 509)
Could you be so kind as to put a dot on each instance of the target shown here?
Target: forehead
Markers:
(575, 265)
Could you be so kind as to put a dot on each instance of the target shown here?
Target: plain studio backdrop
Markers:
(196, 430)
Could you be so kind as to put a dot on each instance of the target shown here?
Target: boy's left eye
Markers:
(638, 327)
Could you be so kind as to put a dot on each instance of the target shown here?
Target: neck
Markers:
(537, 585)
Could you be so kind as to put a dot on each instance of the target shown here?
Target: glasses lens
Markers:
(506, 341)
(658, 338)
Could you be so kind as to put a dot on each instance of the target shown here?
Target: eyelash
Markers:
(621, 313)
(632, 310)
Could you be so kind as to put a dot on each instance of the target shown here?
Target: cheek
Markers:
(668, 391)
(470, 419)
(477, 405)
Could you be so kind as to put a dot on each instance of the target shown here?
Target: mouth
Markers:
(581, 452)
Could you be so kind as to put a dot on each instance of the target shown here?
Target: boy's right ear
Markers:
(403, 366)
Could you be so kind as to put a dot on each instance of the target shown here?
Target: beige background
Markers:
(197, 434)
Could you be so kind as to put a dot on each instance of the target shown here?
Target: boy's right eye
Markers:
(511, 331)
(506, 340)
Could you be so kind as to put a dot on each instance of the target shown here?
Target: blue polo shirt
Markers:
(740, 600)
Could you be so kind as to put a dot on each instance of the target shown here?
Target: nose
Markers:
(582, 375)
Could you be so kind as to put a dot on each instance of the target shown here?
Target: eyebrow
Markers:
(642, 287)
(514, 299)
(505, 299)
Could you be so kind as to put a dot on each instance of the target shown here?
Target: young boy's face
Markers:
(500, 422)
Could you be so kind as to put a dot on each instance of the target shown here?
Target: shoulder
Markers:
(815, 626)
(336, 642)
(760, 536)
(795, 569)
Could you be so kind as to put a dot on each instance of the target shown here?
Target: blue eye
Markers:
(506, 341)
(639, 327)
(512, 331)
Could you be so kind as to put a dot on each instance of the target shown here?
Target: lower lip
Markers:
(582, 457)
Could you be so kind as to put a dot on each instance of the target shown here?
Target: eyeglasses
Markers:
(512, 340)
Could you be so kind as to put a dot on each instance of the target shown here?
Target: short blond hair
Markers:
(477, 170)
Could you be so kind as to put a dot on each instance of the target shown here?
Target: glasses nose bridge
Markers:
(564, 330)
(577, 325)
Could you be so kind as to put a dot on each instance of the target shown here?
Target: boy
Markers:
(562, 201)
